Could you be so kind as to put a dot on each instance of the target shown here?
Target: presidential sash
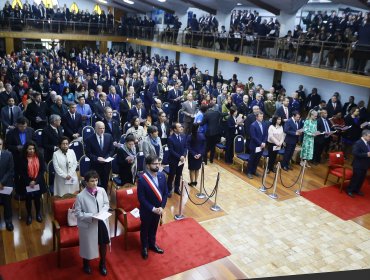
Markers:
(153, 187)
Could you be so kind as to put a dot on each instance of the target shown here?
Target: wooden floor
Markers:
(36, 239)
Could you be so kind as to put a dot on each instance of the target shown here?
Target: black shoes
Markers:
(86, 266)
(103, 268)
(39, 218)
(250, 176)
(360, 193)
(178, 192)
(351, 194)
(29, 220)
(9, 226)
(156, 249)
(144, 253)
(285, 168)
(192, 184)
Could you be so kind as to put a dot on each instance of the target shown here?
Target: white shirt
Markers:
(276, 135)
(102, 139)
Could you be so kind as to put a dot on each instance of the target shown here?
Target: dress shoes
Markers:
(169, 195)
(144, 253)
(103, 269)
(351, 194)
(156, 249)
(360, 193)
(39, 218)
(250, 176)
(285, 168)
(9, 226)
(29, 220)
(290, 168)
(86, 266)
(257, 174)
(178, 192)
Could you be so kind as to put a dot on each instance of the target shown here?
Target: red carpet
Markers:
(186, 244)
(339, 203)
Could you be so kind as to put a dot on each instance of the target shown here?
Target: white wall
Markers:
(162, 52)
(325, 88)
(260, 75)
(202, 63)
(82, 4)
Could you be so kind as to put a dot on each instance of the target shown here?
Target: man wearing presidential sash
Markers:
(152, 195)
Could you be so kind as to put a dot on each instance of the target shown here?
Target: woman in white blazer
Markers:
(94, 234)
(152, 145)
(138, 131)
(65, 164)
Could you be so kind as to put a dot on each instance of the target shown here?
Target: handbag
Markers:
(71, 216)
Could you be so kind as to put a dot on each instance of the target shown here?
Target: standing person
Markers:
(51, 136)
(174, 97)
(258, 134)
(93, 233)
(32, 169)
(138, 131)
(233, 128)
(9, 115)
(72, 123)
(361, 163)
(127, 161)
(163, 127)
(152, 145)
(195, 143)
(275, 140)
(6, 180)
(99, 147)
(152, 195)
(310, 131)
(292, 134)
(189, 109)
(178, 151)
(65, 164)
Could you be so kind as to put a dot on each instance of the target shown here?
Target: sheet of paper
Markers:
(35, 188)
(6, 190)
(258, 149)
(109, 159)
(70, 181)
(181, 163)
(135, 212)
(239, 118)
(276, 148)
(130, 191)
(300, 130)
(102, 216)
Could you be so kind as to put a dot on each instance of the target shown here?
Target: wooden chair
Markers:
(64, 236)
(240, 156)
(337, 169)
(220, 149)
(127, 200)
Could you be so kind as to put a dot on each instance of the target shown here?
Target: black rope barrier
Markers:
(296, 181)
(208, 196)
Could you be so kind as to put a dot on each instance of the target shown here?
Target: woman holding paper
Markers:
(65, 164)
(31, 179)
(127, 161)
(91, 209)
(310, 131)
(275, 140)
(138, 131)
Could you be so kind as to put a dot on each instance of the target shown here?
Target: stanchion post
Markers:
(274, 195)
(180, 216)
(263, 188)
(298, 192)
(215, 207)
(201, 195)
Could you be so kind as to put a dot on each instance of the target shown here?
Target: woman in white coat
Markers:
(65, 164)
(94, 234)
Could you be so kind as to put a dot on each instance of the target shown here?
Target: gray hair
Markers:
(365, 132)
(53, 118)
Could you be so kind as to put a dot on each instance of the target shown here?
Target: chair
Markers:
(166, 108)
(220, 149)
(122, 139)
(181, 116)
(337, 169)
(126, 126)
(140, 162)
(127, 200)
(116, 180)
(86, 132)
(240, 156)
(21, 106)
(94, 119)
(50, 175)
(84, 165)
(38, 137)
(116, 116)
(64, 236)
(165, 163)
(78, 148)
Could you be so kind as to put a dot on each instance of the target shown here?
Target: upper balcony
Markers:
(332, 60)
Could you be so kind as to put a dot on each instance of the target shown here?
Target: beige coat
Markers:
(62, 170)
(88, 226)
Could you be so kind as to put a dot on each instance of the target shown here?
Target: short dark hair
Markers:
(63, 138)
(295, 113)
(151, 129)
(91, 174)
(233, 109)
(274, 119)
(130, 138)
(22, 120)
(150, 159)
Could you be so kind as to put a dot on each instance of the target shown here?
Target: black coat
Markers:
(24, 179)
(50, 140)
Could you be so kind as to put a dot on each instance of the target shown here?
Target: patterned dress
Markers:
(310, 127)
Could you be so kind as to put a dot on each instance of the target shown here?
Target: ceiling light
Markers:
(239, 4)
(103, 1)
(129, 2)
(162, 1)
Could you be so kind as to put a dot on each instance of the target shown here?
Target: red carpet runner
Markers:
(339, 203)
(186, 244)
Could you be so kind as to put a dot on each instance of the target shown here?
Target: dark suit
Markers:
(321, 142)
(99, 109)
(175, 106)
(333, 111)
(93, 151)
(124, 109)
(6, 179)
(134, 112)
(360, 164)
(280, 112)
(257, 138)
(160, 132)
(291, 140)
(121, 93)
(177, 149)
(5, 117)
(148, 199)
(114, 102)
(50, 140)
(72, 126)
(115, 131)
(33, 111)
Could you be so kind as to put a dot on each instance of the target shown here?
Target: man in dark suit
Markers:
(51, 136)
(284, 111)
(99, 147)
(121, 88)
(100, 105)
(138, 111)
(291, 129)
(175, 98)
(348, 106)
(113, 98)
(93, 83)
(322, 141)
(189, 109)
(361, 163)
(72, 122)
(163, 128)
(111, 125)
(36, 112)
(251, 118)
(9, 115)
(152, 195)
(6, 180)
(313, 99)
(258, 134)
(178, 150)
(334, 106)
(125, 106)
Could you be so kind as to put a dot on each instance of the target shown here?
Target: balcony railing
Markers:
(339, 56)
